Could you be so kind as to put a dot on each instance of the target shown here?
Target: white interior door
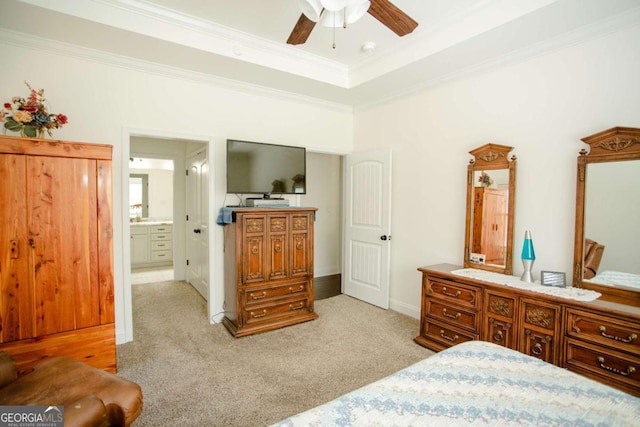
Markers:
(197, 223)
(367, 189)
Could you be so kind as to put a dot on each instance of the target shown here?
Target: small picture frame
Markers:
(553, 278)
(477, 258)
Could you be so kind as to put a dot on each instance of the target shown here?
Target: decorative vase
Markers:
(528, 257)
(40, 133)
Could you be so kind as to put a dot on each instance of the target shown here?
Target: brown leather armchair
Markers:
(592, 256)
(90, 396)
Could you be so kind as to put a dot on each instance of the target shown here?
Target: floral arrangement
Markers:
(485, 180)
(30, 116)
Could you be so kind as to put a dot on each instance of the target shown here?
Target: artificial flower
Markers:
(30, 116)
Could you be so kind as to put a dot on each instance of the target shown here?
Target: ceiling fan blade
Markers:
(301, 31)
(392, 17)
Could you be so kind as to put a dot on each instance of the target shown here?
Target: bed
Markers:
(477, 383)
(613, 278)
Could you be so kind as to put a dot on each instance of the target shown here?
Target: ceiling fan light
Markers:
(356, 9)
(334, 5)
(332, 19)
(311, 9)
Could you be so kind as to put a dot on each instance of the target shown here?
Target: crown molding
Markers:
(576, 37)
(27, 41)
(166, 24)
(450, 30)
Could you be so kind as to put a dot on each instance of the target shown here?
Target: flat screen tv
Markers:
(259, 168)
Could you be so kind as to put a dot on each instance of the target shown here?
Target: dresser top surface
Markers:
(599, 304)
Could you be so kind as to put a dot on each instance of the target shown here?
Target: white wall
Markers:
(103, 100)
(324, 191)
(543, 107)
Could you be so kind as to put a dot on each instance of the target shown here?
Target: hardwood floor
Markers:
(326, 286)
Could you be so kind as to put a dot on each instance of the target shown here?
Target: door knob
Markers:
(197, 230)
(383, 237)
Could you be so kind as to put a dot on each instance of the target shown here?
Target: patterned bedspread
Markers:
(617, 278)
(478, 384)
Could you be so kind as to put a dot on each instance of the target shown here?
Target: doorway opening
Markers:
(151, 219)
(174, 148)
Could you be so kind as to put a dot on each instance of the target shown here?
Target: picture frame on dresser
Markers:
(553, 278)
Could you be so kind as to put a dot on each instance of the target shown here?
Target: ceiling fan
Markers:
(339, 13)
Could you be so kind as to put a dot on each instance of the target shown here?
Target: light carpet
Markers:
(193, 373)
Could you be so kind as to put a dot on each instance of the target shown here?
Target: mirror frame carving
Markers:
(491, 157)
(611, 145)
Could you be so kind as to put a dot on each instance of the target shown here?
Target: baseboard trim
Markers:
(406, 309)
(327, 286)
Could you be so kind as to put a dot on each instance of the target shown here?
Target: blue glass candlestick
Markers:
(528, 257)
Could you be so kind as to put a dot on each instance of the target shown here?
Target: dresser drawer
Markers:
(499, 305)
(540, 316)
(262, 294)
(466, 319)
(270, 312)
(161, 256)
(160, 228)
(618, 369)
(160, 236)
(604, 330)
(161, 245)
(454, 292)
(446, 335)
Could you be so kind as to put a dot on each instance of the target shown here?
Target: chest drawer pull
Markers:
(447, 337)
(260, 296)
(255, 316)
(630, 369)
(296, 307)
(293, 290)
(449, 294)
(630, 338)
(450, 316)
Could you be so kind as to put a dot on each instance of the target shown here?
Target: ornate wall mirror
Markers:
(491, 194)
(606, 253)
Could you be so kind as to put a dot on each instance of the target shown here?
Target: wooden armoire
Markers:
(490, 223)
(56, 266)
(268, 269)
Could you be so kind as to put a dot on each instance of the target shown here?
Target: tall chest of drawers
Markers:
(598, 339)
(268, 269)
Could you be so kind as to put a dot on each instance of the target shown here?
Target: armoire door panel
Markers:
(278, 259)
(16, 318)
(254, 259)
(56, 262)
(63, 235)
(105, 243)
(300, 254)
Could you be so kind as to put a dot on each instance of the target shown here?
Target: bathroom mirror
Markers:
(607, 229)
(491, 193)
(138, 196)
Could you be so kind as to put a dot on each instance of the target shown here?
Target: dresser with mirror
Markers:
(607, 237)
(591, 327)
